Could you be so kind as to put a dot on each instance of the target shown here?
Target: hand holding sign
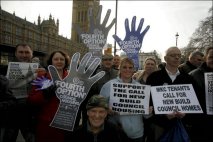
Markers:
(133, 41)
(73, 89)
(96, 38)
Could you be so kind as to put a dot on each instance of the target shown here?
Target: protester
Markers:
(161, 65)
(110, 73)
(7, 106)
(132, 125)
(141, 77)
(23, 120)
(149, 67)
(202, 126)
(169, 75)
(47, 102)
(97, 127)
(195, 60)
(116, 62)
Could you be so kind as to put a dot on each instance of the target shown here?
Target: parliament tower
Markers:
(79, 16)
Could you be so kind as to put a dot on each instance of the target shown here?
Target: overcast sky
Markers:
(165, 18)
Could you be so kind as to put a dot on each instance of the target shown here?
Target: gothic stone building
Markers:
(44, 37)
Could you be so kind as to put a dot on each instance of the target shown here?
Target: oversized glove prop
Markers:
(96, 37)
(73, 89)
(132, 43)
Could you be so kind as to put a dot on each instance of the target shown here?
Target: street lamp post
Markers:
(116, 16)
(177, 35)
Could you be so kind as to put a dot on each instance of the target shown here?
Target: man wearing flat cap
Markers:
(97, 128)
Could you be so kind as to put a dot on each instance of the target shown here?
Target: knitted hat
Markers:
(97, 101)
(107, 56)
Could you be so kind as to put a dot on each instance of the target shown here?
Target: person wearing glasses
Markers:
(195, 60)
(168, 75)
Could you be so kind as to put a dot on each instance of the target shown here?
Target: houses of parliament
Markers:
(44, 36)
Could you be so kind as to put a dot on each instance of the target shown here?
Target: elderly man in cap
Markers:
(96, 128)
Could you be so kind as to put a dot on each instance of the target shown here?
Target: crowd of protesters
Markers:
(96, 121)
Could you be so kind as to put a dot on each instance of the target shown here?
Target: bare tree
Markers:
(203, 35)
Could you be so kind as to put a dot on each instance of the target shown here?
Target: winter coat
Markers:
(109, 134)
(202, 121)
(47, 105)
(186, 67)
(159, 78)
(7, 103)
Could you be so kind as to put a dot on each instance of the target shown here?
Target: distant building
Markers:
(143, 56)
(43, 37)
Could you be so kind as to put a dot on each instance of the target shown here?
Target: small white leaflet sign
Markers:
(169, 98)
(209, 92)
(127, 98)
(20, 75)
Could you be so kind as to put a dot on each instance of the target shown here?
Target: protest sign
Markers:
(19, 75)
(132, 42)
(73, 89)
(96, 37)
(169, 98)
(209, 92)
(127, 98)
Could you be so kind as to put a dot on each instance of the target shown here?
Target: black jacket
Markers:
(186, 67)
(109, 134)
(159, 78)
(7, 103)
(202, 124)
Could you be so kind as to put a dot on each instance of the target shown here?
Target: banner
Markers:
(209, 92)
(127, 98)
(132, 42)
(20, 75)
(96, 37)
(72, 90)
(169, 98)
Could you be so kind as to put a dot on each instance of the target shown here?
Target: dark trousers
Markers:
(11, 134)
